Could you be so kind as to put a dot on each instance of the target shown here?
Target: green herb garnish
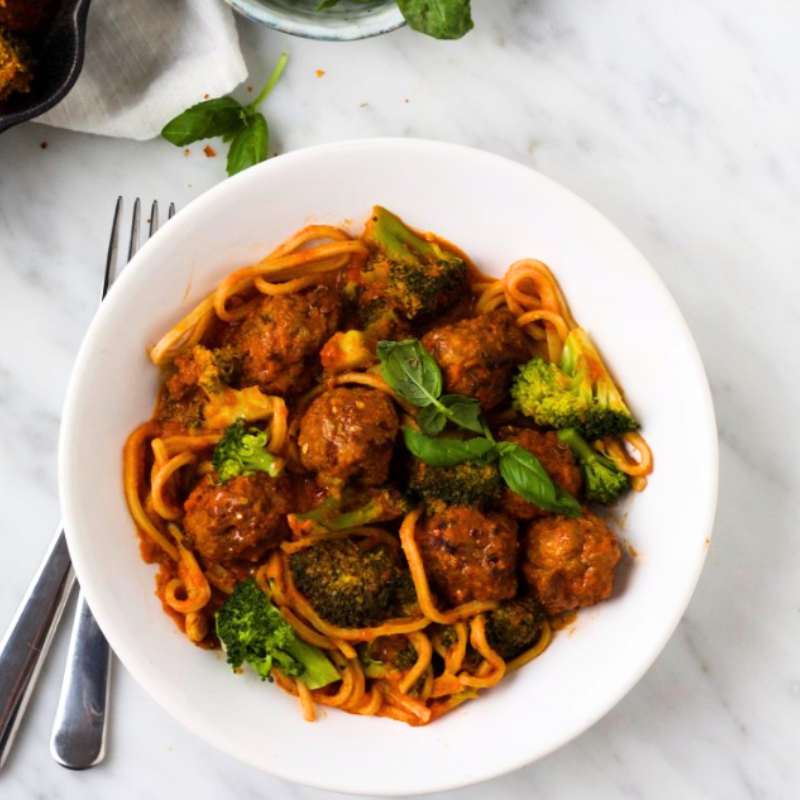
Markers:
(442, 19)
(243, 126)
(446, 451)
(414, 375)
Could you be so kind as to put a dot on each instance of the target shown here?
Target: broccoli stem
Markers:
(582, 450)
(266, 462)
(397, 240)
(386, 505)
(327, 515)
(318, 670)
(359, 516)
(604, 480)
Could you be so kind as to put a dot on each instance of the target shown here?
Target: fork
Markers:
(79, 736)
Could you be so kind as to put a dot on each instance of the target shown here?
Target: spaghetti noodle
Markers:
(171, 460)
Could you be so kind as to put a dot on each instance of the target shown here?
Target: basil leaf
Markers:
(432, 420)
(410, 370)
(444, 451)
(249, 146)
(464, 411)
(217, 117)
(458, 408)
(442, 19)
(525, 475)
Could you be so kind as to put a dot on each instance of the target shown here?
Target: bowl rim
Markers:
(82, 558)
(388, 20)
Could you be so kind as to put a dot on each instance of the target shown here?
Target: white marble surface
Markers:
(677, 120)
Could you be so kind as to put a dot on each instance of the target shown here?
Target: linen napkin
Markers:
(148, 60)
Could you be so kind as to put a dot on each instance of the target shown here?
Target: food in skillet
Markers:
(15, 69)
(373, 474)
(25, 16)
(19, 21)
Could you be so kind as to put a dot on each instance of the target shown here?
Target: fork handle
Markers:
(79, 732)
(25, 645)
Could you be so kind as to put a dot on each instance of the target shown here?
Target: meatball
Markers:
(557, 460)
(469, 555)
(239, 519)
(570, 562)
(349, 433)
(278, 342)
(477, 355)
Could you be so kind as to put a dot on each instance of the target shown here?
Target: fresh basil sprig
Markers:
(464, 411)
(243, 126)
(413, 374)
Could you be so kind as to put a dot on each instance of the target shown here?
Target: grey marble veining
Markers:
(679, 121)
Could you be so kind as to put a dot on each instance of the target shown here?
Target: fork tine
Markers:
(153, 218)
(111, 258)
(171, 212)
(134, 245)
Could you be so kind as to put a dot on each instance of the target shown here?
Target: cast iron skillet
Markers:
(58, 51)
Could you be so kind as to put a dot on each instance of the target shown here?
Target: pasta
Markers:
(262, 358)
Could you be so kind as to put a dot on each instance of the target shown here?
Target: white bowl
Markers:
(498, 211)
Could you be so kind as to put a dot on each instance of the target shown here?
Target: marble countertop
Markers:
(678, 121)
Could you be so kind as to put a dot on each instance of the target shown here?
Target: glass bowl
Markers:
(346, 21)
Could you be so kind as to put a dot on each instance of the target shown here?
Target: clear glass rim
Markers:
(321, 27)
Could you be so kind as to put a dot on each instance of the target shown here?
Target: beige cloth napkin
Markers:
(148, 60)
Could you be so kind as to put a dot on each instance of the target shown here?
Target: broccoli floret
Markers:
(241, 451)
(350, 583)
(228, 363)
(212, 370)
(388, 654)
(447, 635)
(404, 601)
(580, 393)
(253, 631)
(604, 481)
(203, 373)
(406, 275)
(514, 626)
(354, 510)
(422, 290)
(472, 483)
